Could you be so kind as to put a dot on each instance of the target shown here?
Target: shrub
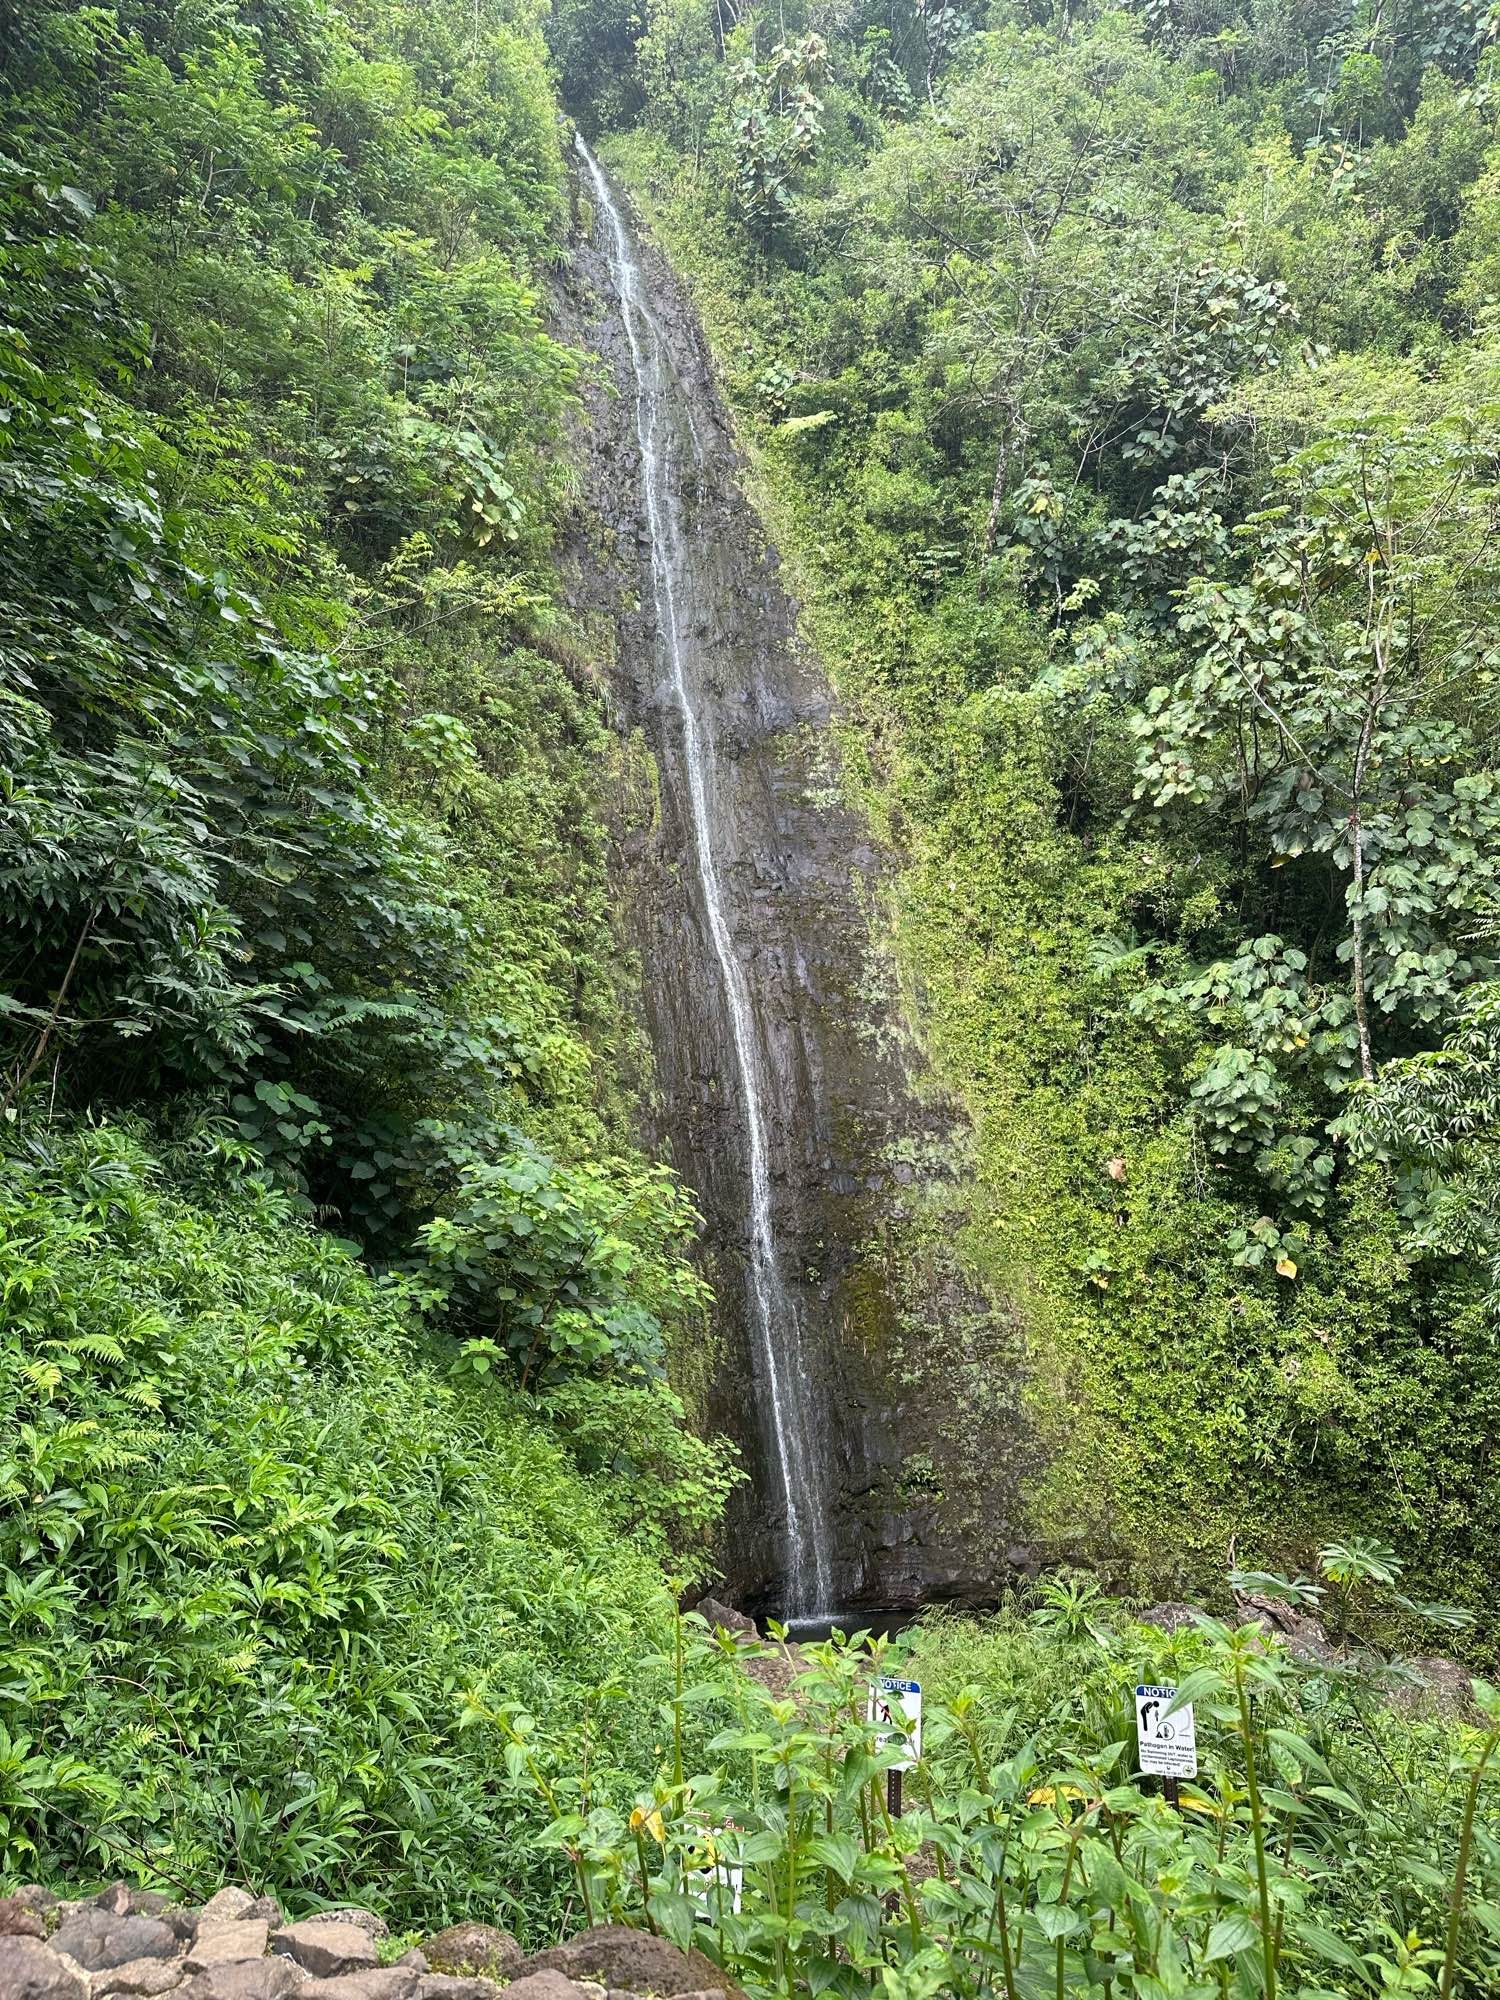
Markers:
(257, 1542)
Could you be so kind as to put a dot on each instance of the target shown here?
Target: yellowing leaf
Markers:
(1285, 1268)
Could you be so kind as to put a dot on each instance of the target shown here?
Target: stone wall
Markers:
(138, 1944)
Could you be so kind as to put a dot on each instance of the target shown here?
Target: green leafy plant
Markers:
(1029, 1857)
(574, 1267)
(254, 1535)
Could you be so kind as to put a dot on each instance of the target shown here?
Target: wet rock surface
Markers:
(862, 1150)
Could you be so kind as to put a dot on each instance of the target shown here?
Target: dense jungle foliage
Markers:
(1329, 1847)
(336, 1301)
(1125, 386)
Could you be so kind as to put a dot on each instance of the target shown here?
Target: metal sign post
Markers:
(895, 1708)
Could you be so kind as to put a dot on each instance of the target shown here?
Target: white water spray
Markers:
(776, 1334)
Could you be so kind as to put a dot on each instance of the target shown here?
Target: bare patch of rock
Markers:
(99, 1938)
(138, 1979)
(31, 1970)
(617, 1957)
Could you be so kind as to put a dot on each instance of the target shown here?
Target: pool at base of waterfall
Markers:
(823, 1624)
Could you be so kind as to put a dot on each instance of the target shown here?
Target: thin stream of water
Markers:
(775, 1332)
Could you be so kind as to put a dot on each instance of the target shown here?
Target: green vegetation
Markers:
(1127, 394)
(259, 1540)
(337, 1301)
(1123, 385)
(1327, 1847)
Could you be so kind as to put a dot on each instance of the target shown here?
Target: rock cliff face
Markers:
(795, 1044)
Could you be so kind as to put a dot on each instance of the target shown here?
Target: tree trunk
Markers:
(1357, 866)
(1361, 1012)
(997, 501)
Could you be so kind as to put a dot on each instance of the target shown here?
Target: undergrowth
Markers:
(260, 1534)
(1330, 1845)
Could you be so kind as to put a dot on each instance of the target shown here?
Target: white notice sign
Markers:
(1168, 1743)
(716, 1887)
(896, 1711)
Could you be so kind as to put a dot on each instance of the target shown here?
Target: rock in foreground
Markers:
(135, 1944)
(31, 1970)
(474, 1948)
(623, 1960)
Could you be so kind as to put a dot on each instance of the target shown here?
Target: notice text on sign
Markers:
(1168, 1743)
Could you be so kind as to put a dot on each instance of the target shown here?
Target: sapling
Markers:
(1490, 1701)
(1257, 1815)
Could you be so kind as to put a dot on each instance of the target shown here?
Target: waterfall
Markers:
(787, 1412)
